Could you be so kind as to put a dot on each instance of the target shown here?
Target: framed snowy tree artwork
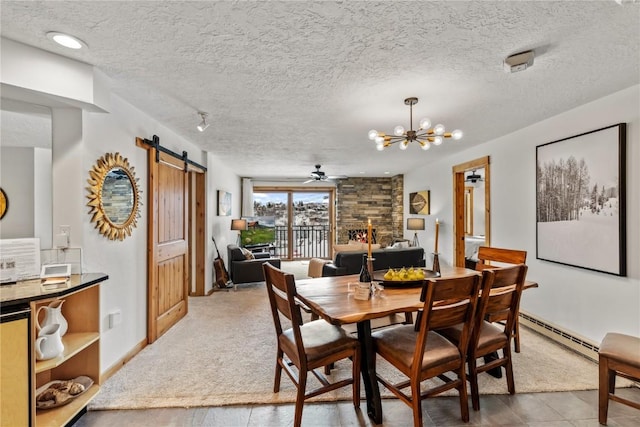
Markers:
(580, 200)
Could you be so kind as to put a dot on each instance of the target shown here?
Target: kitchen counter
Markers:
(32, 290)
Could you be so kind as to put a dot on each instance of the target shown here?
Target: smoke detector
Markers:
(518, 62)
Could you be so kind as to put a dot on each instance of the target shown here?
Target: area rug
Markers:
(223, 353)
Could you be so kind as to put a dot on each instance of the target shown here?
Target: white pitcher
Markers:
(52, 315)
(49, 343)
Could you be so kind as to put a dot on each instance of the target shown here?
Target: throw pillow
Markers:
(400, 245)
(247, 253)
(357, 247)
(346, 248)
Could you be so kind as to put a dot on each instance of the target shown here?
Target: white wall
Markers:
(220, 177)
(63, 79)
(17, 181)
(588, 303)
(42, 197)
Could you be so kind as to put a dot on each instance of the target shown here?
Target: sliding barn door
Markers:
(168, 243)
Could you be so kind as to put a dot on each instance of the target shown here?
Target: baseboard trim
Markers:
(568, 339)
(123, 361)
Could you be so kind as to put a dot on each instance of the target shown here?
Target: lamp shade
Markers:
(415, 223)
(238, 224)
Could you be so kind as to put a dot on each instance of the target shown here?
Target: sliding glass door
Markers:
(303, 220)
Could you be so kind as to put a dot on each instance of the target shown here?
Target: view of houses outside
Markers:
(308, 208)
(310, 222)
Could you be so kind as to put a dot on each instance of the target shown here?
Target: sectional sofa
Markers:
(350, 261)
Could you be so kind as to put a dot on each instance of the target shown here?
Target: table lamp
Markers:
(239, 225)
(415, 224)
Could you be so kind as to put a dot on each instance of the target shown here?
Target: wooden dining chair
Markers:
(618, 355)
(426, 354)
(307, 346)
(500, 298)
(489, 257)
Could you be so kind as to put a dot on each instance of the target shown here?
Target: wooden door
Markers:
(168, 243)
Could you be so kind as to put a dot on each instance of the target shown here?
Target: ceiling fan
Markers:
(473, 177)
(317, 175)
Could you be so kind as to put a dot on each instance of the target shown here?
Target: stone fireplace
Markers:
(377, 199)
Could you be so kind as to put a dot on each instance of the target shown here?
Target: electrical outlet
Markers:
(63, 238)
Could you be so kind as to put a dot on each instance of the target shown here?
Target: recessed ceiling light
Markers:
(66, 40)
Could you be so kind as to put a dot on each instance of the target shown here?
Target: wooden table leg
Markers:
(368, 369)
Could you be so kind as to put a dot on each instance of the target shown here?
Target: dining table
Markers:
(333, 299)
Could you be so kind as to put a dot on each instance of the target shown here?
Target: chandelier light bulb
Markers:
(425, 124)
(373, 134)
(379, 140)
(379, 147)
(438, 129)
(398, 131)
(425, 145)
(456, 134)
(437, 140)
(404, 144)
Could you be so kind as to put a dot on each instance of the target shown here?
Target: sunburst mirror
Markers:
(114, 196)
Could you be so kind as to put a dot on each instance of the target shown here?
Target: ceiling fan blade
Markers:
(308, 181)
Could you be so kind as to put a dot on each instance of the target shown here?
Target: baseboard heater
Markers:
(571, 341)
(562, 337)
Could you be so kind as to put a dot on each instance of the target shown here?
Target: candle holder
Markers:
(436, 263)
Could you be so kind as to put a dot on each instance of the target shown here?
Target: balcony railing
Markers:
(309, 241)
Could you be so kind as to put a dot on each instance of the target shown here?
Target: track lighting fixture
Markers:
(203, 124)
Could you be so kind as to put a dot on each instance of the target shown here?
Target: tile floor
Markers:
(578, 408)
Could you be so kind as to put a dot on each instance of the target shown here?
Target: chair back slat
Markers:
(500, 304)
(443, 316)
(499, 255)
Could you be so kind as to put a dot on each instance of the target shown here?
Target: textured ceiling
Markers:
(291, 84)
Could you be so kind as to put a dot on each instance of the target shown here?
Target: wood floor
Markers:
(578, 408)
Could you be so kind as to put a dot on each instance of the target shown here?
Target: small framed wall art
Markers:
(581, 199)
(224, 203)
(419, 203)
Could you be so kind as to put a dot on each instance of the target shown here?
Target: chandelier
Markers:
(425, 135)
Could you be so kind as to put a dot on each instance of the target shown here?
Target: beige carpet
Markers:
(223, 353)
